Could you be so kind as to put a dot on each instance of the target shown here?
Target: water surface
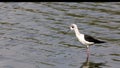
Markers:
(35, 34)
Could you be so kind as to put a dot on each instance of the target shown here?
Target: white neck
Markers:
(77, 32)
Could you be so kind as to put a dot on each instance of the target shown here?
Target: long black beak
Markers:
(69, 29)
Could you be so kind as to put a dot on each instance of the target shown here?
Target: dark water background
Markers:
(35, 34)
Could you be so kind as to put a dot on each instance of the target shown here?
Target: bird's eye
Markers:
(72, 26)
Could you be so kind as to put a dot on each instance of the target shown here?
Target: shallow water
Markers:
(35, 34)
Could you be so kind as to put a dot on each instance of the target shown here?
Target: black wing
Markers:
(91, 39)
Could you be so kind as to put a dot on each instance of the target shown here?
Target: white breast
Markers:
(82, 39)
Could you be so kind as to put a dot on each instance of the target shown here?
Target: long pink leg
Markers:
(88, 51)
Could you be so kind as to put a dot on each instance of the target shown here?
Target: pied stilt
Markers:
(84, 39)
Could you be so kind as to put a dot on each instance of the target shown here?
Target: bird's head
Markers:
(73, 26)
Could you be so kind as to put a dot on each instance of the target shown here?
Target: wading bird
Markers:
(85, 39)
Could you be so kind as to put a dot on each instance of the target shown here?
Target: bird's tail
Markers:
(98, 41)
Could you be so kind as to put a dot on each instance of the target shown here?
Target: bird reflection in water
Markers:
(89, 64)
